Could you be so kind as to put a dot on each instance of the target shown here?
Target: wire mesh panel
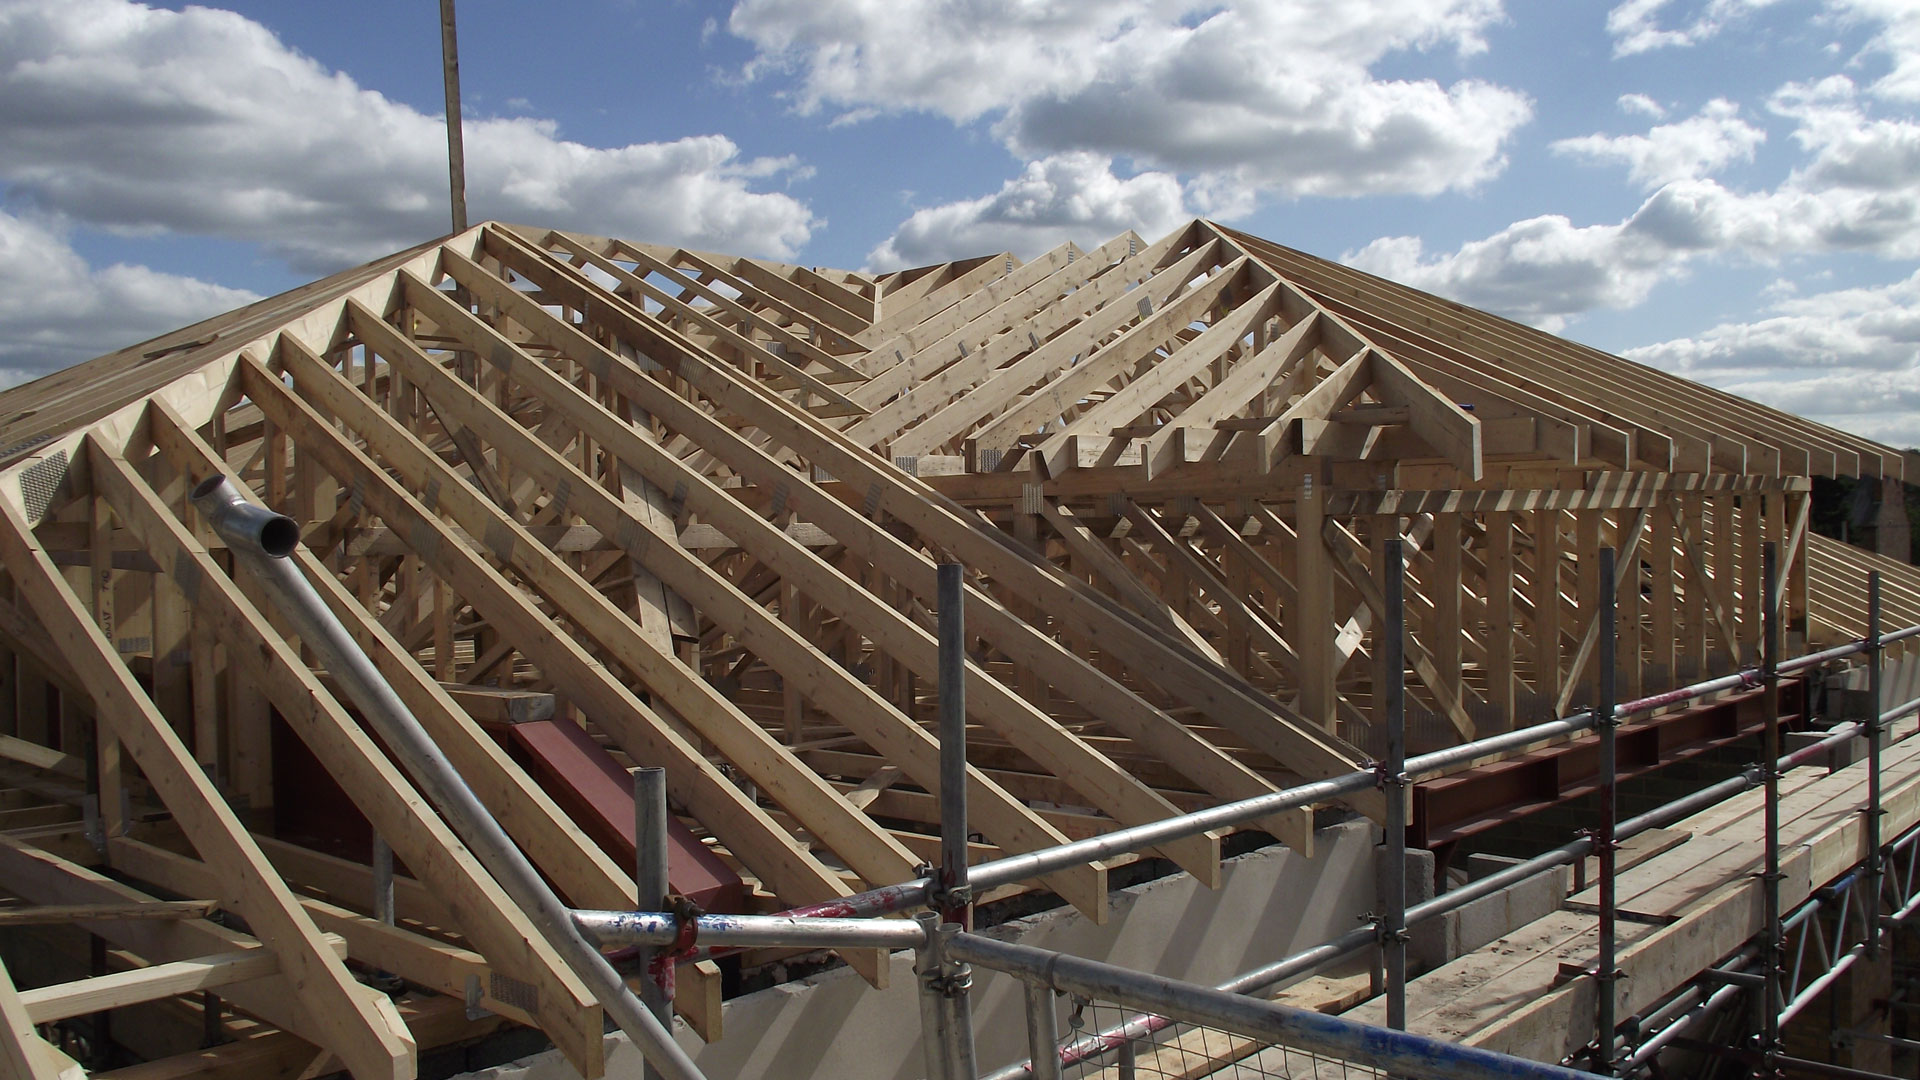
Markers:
(1184, 1051)
(1122, 1023)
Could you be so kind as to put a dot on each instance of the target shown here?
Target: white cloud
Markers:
(1634, 27)
(56, 310)
(1875, 328)
(1633, 24)
(1850, 358)
(1858, 190)
(1700, 145)
(1541, 270)
(1643, 105)
(1898, 40)
(1068, 197)
(1278, 97)
(201, 121)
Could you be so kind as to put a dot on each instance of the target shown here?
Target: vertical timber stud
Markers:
(1393, 929)
(1606, 972)
(1500, 622)
(456, 150)
(1876, 866)
(1775, 952)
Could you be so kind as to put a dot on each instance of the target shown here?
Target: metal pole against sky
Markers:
(456, 151)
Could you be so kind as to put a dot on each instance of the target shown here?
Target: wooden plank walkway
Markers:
(1684, 908)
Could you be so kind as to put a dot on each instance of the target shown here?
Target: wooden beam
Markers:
(1092, 551)
(1501, 689)
(23, 1052)
(451, 970)
(1312, 626)
(1067, 384)
(122, 988)
(1146, 388)
(1272, 373)
(1448, 428)
(1712, 598)
(45, 914)
(47, 878)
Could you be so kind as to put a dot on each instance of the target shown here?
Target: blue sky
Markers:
(1729, 189)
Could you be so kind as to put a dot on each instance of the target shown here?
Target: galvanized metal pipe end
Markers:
(242, 523)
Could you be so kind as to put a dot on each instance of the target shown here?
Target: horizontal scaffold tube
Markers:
(611, 928)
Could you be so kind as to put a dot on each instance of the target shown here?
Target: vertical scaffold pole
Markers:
(1043, 1032)
(1606, 972)
(1393, 929)
(650, 879)
(953, 747)
(936, 1038)
(1770, 770)
(1876, 864)
(955, 898)
(456, 149)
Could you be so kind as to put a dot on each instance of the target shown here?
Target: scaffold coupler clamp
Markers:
(1600, 842)
(943, 895)
(686, 930)
(1384, 778)
(1388, 936)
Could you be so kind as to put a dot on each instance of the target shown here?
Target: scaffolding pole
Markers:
(1606, 971)
(1393, 927)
